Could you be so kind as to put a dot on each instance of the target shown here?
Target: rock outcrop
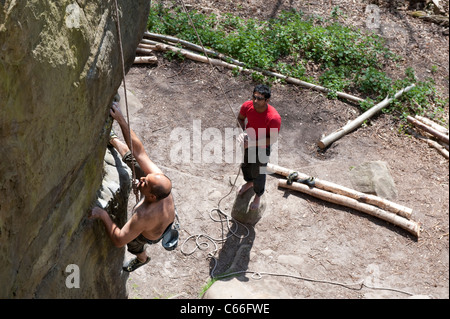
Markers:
(374, 178)
(59, 71)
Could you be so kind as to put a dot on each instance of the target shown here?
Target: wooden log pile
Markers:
(370, 204)
(145, 55)
(432, 133)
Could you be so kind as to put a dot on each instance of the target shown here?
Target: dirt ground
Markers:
(329, 242)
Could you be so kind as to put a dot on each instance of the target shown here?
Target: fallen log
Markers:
(311, 86)
(191, 46)
(144, 45)
(443, 145)
(442, 137)
(145, 60)
(144, 51)
(193, 56)
(440, 148)
(236, 64)
(441, 20)
(408, 225)
(348, 192)
(326, 141)
(432, 124)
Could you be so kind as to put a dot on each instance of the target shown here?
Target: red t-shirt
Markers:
(260, 123)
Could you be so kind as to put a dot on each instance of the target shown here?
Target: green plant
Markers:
(348, 59)
(206, 287)
(434, 69)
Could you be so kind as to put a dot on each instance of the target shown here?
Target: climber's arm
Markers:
(119, 237)
(139, 152)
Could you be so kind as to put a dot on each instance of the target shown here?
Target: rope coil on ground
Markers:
(204, 245)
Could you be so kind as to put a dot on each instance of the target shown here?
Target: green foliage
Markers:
(373, 81)
(348, 59)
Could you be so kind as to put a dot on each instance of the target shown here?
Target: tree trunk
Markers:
(344, 191)
(408, 225)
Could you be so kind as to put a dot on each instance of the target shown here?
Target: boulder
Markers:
(374, 178)
(241, 211)
(59, 71)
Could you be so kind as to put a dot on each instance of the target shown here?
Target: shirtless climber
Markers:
(154, 215)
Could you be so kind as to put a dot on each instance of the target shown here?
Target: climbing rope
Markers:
(202, 245)
(209, 61)
(135, 190)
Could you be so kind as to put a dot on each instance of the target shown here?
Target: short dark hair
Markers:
(160, 191)
(264, 90)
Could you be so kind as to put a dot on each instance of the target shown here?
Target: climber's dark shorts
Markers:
(169, 237)
(137, 169)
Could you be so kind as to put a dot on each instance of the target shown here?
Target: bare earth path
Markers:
(298, 235)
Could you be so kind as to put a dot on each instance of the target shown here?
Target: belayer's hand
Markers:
(243, 139)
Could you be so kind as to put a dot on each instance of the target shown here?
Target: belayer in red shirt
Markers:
(261, 123)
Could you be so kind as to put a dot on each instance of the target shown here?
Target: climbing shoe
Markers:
(134, 264)
(112, 134)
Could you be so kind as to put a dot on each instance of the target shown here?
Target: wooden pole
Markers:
(433, 124)
(441, 136)
(348, 192)
(311, 86)
(440, 148)
(145, 60)
(144, 51)
(189, 45)
(408, 225)
(144, 46)
(193, 56)
(237, 65)
(326, 141)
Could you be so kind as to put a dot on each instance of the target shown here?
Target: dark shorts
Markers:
(253, 167)
(169, 238)
(137, 245)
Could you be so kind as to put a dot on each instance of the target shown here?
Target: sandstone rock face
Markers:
(59, 70)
